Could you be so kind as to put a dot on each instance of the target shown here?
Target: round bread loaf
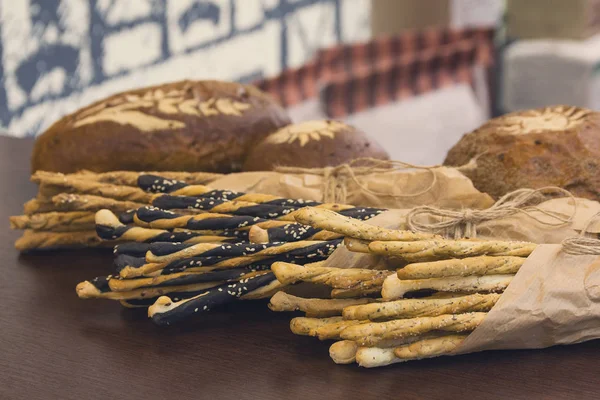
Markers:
(312, 144)
(553, 146)
(181, 126)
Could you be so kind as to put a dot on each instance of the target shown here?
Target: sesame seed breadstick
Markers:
(55, 221)
(372, 357)
(303, 325)
(109, 227)
(431, 250)
(42, 240)
(316, 308)
(51, 185)
(339, 278)
(334, 222)
(394, 288)
(165, 311)
(371, 333)
(424, 307)
(164, 252)
(482, 265)
(431, 347)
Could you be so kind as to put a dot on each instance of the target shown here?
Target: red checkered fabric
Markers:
(297, 85)
(405, 77)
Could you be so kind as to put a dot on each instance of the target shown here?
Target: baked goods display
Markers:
(178, 264)
(180, 126)
(425, 297)
(312, 144)
(62, 215)
(552, 146)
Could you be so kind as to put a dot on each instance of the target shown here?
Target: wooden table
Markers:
(55, 346)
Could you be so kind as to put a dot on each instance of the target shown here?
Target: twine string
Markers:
(582, 244)
(463, 223)
(335, 179)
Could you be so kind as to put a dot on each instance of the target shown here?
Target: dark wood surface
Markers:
(55, 346)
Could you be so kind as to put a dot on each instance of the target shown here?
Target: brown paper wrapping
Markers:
(553, 299)
(393, 189)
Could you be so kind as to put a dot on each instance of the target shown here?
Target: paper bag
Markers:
(441, 186)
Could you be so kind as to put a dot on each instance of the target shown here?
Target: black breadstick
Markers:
(180, 279)
(132, 249)
(127, 217)
(165, 312)
(239, 249)
(192, 264)
(234, 207)
(157, 184)
(200, 222)
(130, 233)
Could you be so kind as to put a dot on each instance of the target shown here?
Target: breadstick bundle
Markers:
(429, 296)
(62, 213)
(180, 264)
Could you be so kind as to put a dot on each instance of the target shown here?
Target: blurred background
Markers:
(414, 74)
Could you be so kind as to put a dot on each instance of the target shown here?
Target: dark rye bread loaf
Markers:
(312, 144)
(180, 126)
(552, 146)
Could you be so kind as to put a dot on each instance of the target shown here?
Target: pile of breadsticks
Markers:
(62, 213)
(421, 298)
(179, 264)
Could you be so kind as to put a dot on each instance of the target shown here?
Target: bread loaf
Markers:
(181, 126)
(552, 146)
(312, 144)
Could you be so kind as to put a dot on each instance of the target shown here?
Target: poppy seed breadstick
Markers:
(482, 265)
(394, 288)
(296, 231)
(334, 222)
(333, 330)
(53, 185)
(343, 352)
(41, 240)
(427, 348)
(382, 355)
(303, 325)
(166, 311)
(164, 252)
(356, 292)
(372, 333)
(282, 301)
(55, 221)
(339, 278)
(356, 245)
(431, 250)
(423, 307)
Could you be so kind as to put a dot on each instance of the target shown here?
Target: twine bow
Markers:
(335, 179)
(582, 244)
(463, 223)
